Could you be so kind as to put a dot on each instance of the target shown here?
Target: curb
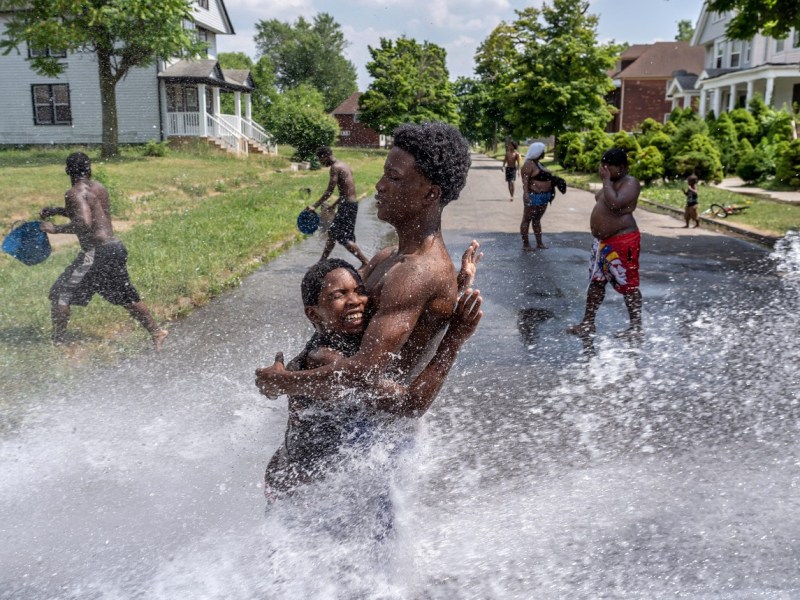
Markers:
(760, 238)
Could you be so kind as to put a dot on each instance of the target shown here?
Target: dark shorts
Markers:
(102, 270)
(616, 261)
(511, 173)
(343, 228)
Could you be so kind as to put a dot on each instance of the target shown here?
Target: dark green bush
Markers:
(724, 133)
(746, 125)
(753, 165)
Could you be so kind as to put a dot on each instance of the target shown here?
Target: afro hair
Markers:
(441, 154)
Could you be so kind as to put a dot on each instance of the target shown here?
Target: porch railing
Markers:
(222, 130)
(232, 131)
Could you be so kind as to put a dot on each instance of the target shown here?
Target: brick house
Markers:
(642, 76)
(351, 131)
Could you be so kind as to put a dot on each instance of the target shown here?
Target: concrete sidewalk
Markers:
(737, 185)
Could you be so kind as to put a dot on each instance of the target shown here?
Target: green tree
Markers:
(773, 18)
(685, 31)
(263, 76)
(746, 125)
(121, 34)
(310, 53)
(495, 60)
(409, 85)
(701, 157)
(474, 108)
(298, 118)
(787, 164)
(559, 78)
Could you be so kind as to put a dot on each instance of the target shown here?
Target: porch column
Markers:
(674, 102)
(237, 104)
(717, 104)
(702, 103)
(749, 91)
(215, 94)
(770, 89)
(687, 101)
(732, 98)
(248, 113)
(165, 119)
(201, 97)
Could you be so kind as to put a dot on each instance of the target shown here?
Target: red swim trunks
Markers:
(616, 261)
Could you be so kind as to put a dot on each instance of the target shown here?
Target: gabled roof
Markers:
(207, 70)
(682, 84)
(711, 73)
(239, 77)
(349, 106)
(662, 59)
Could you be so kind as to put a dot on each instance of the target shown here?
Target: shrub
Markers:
(753, 165)
(569, 147)
(648, 165)
(700, 157)
(626, 142)
(685, 132)
(780, 127)
(595, 143)
(650, 127)
(787, 164)
(154, 148)
(724, 132)
(746, 125)
(298, 118)
(661, 141)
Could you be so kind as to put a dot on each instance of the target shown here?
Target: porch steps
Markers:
(254, 147)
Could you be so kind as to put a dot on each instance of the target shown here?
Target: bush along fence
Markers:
(756, 143)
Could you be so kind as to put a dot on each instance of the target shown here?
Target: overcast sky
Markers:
(457, 25)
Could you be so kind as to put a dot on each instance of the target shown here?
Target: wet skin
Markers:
(412, 291)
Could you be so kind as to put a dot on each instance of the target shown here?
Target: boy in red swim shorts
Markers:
(615, 254)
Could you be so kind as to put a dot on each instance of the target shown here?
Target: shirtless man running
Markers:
(101, 266)
(412, 288)
(615, 253)
(342, 229)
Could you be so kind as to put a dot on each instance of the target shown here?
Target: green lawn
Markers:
(194, 223)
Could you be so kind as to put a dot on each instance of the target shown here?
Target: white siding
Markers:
(137, 103)
(213, 18)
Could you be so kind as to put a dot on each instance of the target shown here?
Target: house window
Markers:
(46, 51)
(344, 133)
(779, 44)
(202, 4)
(202, 36)
(748, 52)
(182, 98)
(796, 38)
(51, 104)
(719, 54)
(356, 118)
(736, 54)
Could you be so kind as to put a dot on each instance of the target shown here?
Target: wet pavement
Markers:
(663, 470)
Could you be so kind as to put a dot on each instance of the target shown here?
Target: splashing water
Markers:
(668, 469)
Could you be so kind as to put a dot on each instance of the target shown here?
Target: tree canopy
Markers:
(310, 53)
(774, 18)
(685, 31)
(122, 34)
(263, 75)
(410, 85)
(548, 69)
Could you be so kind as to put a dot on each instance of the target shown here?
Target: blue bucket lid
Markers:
(27, 243)
(308, 221)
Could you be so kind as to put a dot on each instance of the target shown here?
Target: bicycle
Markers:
(721, 212)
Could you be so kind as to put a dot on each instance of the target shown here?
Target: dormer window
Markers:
(779, 45)
(203, 4)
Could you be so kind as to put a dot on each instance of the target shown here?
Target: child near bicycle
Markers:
(690, 212)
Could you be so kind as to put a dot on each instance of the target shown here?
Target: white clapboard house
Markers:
(177, 99)
(736, 70)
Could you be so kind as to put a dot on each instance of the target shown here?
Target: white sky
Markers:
(457, 25)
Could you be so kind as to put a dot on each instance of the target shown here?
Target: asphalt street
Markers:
(543, 471)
